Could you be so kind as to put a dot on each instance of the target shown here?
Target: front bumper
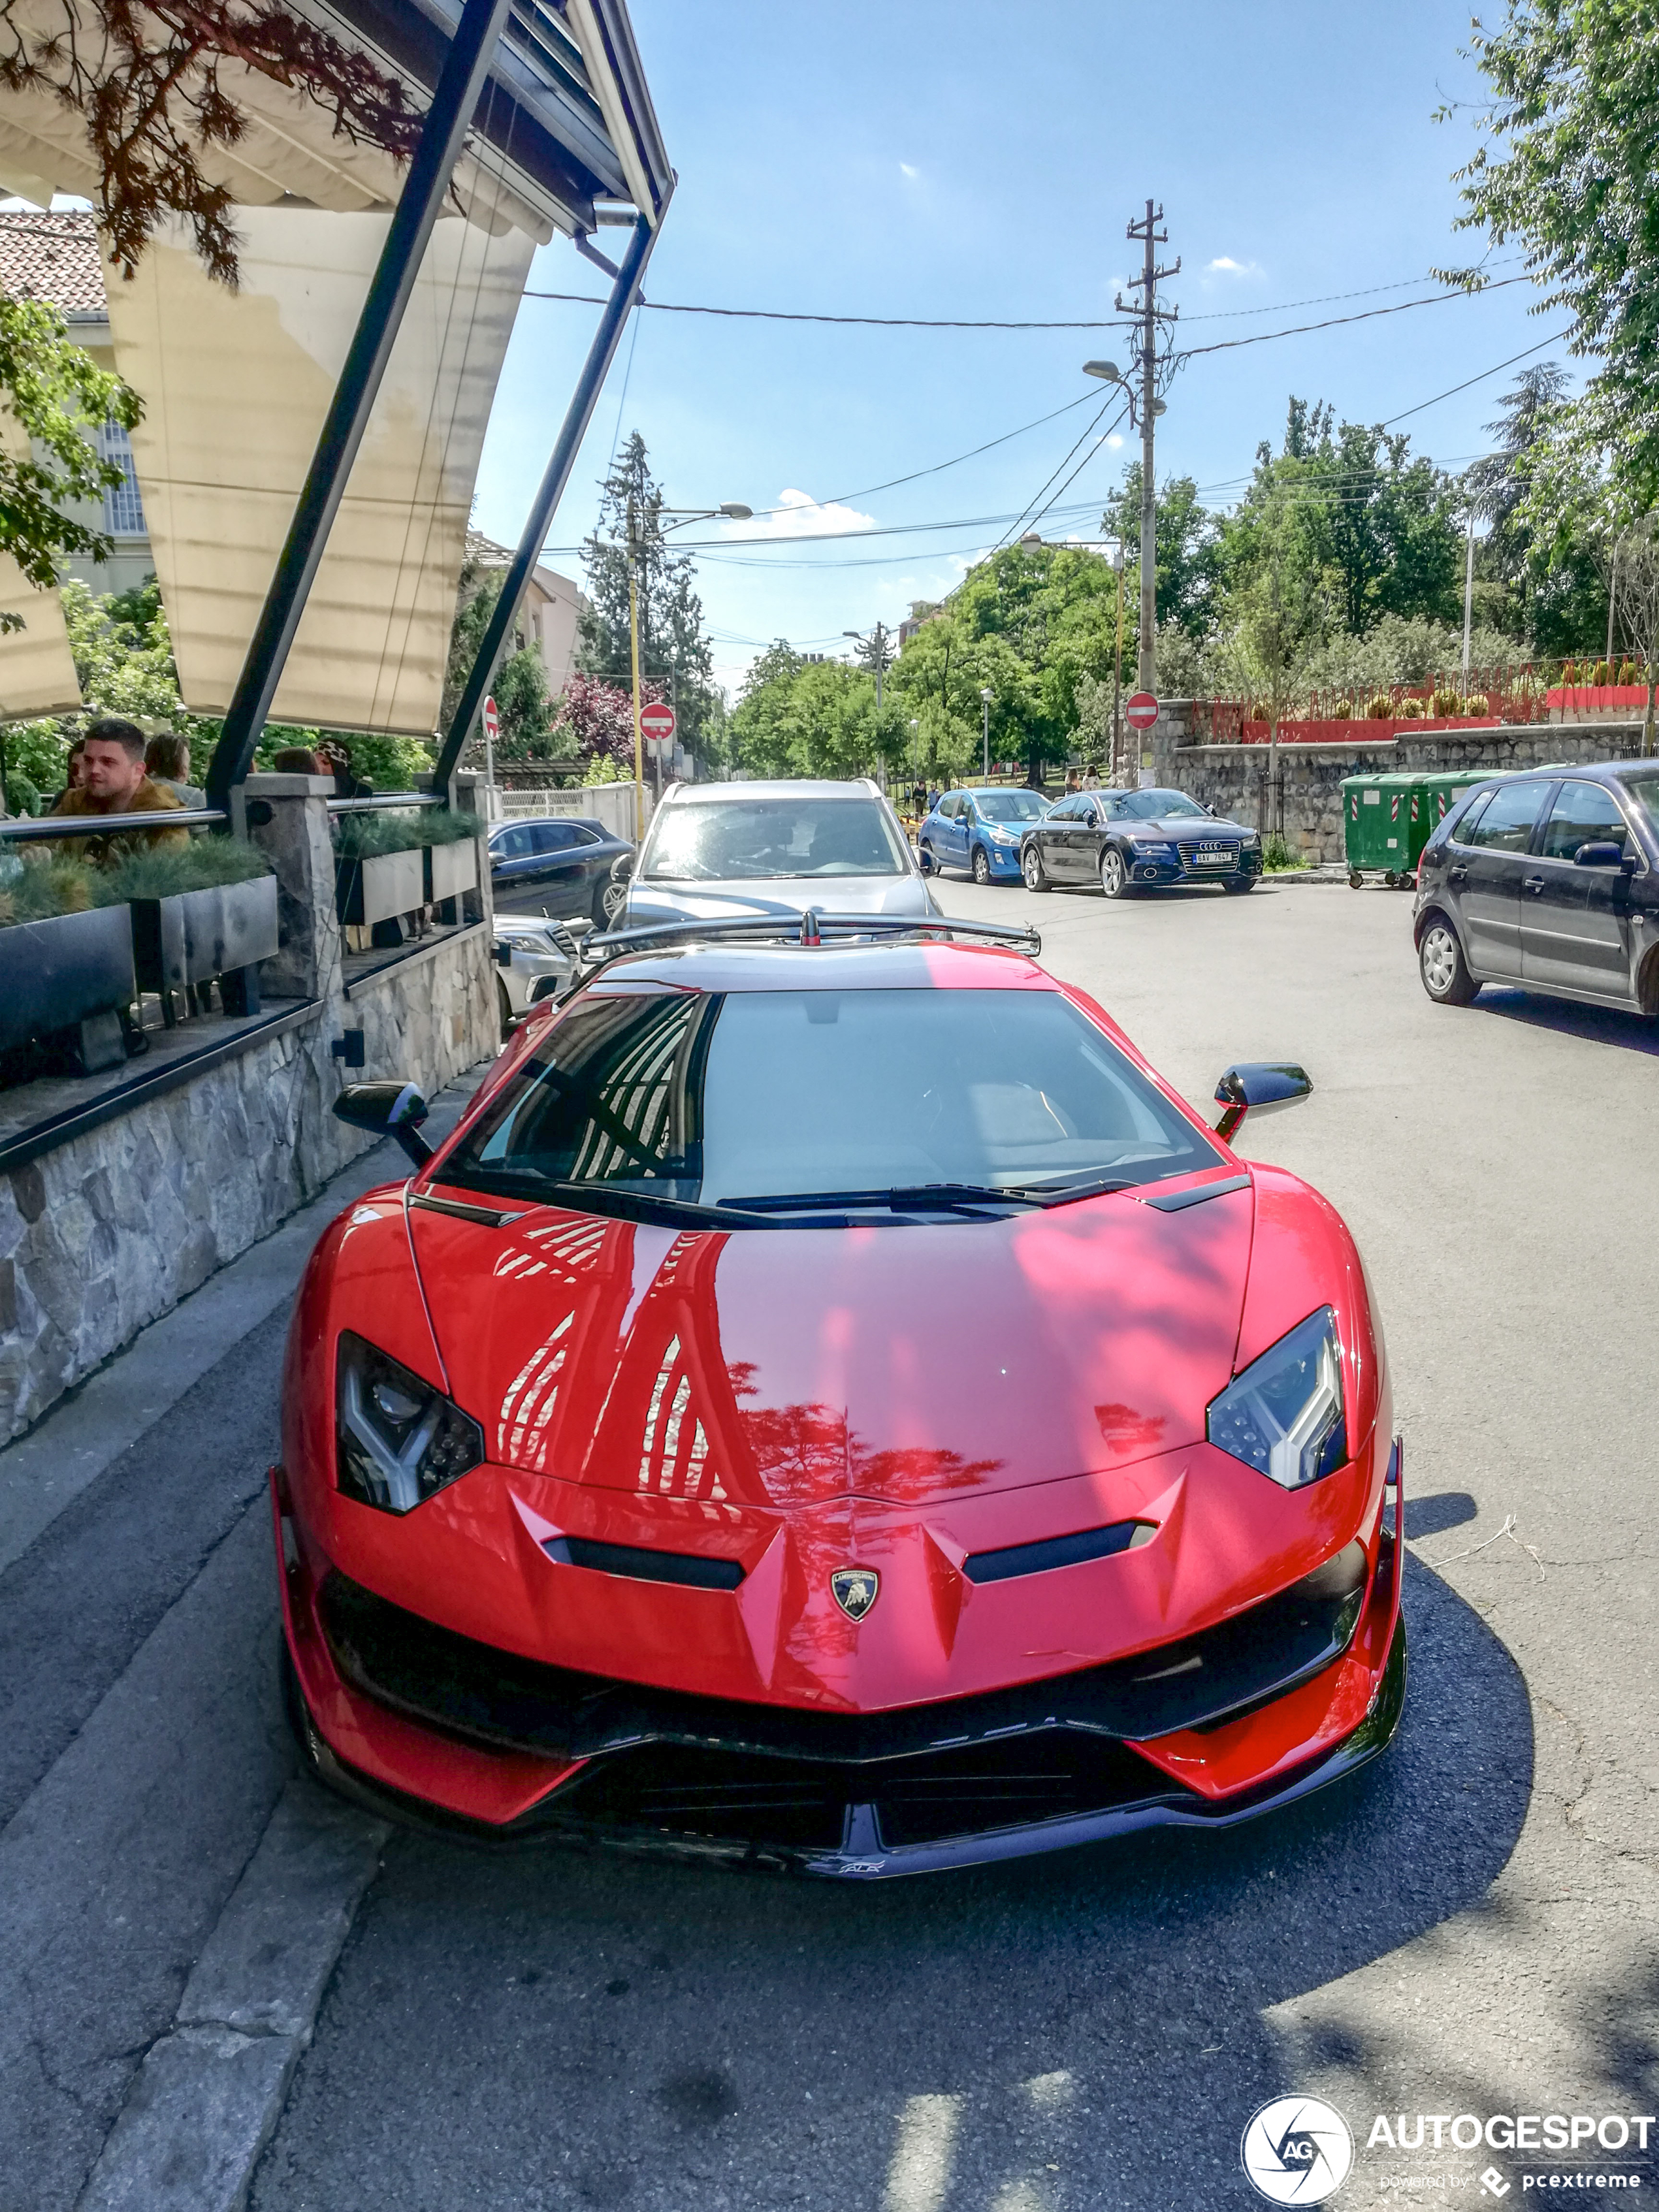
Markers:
(436, 1729)
(1153, 872)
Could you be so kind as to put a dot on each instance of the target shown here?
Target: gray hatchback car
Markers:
(1549, 881)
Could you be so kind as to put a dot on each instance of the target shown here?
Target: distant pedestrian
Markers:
(933, 797)
(335, 757)
(1073, 780)
(114, 783)
(166, 762)
(297, 760)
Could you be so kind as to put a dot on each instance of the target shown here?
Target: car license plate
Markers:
(1214, 856)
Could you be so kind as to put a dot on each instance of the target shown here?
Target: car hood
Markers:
(1181, 828)
(781, 1369)
(650, 901)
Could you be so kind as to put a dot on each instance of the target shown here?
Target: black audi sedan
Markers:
(1133, 840)
(1548, 881)
(558, 867)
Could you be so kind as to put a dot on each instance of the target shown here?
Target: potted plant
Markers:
(205, 910)
(389, 863)
(65, 963)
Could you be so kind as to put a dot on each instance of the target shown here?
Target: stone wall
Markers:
(1234, 779)
(109, 1231)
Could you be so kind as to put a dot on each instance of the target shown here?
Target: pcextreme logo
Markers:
(1296, 2150)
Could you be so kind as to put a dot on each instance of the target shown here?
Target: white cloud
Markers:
(905, 170)
(799, 513)
(1225, 265)
(1114, 442)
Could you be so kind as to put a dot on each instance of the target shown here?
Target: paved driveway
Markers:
(1468, 1930)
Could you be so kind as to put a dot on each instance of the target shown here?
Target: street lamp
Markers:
(985, 695)
(729, 511)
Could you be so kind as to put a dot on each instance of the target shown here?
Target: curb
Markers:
(202, 2106)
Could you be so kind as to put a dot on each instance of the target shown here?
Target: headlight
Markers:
(398, 1441)
(1151, 844)
(1250, 837)
(1284, 1414)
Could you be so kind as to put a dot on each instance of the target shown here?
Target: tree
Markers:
(1566, 169)
(596, 722)
(673, 645)
(522, 700)
(1285, 612)
(1188, 542)
(145, 81)
(797, 717)
(1554, 591)
(59, 399)
(1637, 587)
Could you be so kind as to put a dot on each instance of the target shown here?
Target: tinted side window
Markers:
(512, 845)
(1065, 811)
(554, 836)
(581, 834)
(1507, 823)
(1583, 814)
(1463, 825)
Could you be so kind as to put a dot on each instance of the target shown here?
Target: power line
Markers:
(1510, 363)
(1332, 322)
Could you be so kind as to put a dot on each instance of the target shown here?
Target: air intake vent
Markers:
(1057, 1552)
(689, 1569)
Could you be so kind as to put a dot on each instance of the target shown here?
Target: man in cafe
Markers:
(113, 783)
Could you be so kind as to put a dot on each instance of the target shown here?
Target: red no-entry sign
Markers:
(492, 720)
(657, 722)
(1141, 711)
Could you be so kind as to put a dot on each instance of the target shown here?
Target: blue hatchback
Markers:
(979, 831)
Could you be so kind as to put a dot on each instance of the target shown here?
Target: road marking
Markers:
(202, 2106)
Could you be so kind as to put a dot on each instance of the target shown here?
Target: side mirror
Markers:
(503, 954)
(1210, 810)
(622, 867)
(1257, 1086)
(1607, 855)
(387, 1110)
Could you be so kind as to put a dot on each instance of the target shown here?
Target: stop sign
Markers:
(1141, 711)
(492, 720)
(657, 722)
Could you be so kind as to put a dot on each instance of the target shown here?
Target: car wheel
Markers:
(504, 1007)
(1030, 866)
(1236, 884)
(609, 901)
(926, 862)
(982, 865)
(1114, 876)
(1440, 962)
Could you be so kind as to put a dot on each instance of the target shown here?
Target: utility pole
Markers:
(1469, 595)
(874, 653)
(1150, 315)
(633, 649)
(1117, 675)
(985, 698)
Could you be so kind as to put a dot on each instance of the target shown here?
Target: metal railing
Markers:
(32, 829)
(380, 802)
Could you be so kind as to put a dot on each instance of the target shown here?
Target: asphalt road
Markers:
(1468, 1928)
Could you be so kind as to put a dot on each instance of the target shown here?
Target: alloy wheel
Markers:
(982, 865)
(1112, 879)
(1439, 959)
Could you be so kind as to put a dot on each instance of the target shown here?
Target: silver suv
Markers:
(734, 849)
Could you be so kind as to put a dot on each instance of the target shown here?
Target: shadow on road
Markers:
(1596, 1024)
(629, 2033)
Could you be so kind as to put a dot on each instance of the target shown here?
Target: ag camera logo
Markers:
(1296, 2150)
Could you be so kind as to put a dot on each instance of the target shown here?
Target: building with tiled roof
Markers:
(56, 257)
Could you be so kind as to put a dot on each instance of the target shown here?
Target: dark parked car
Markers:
(1550, 881)
(1130, 841)
(557, 868)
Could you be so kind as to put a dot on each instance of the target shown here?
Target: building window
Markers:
(123, 510)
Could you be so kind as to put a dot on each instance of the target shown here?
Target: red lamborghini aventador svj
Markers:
(829, 1405)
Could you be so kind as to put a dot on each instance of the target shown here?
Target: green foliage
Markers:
(55, 394)
(521, 692)
(1187, 582)
(1566, 170)
(800, 717)
(674, 647)
(400, 829)
(1278, 858)
(36, 886)
(163, 872)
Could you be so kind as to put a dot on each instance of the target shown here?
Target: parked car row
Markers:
(1118, 841)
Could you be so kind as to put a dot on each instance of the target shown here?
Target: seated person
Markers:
(112, 783)
(166, 762)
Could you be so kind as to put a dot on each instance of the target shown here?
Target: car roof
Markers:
(911, 967)
(531, 821)
(775, 787)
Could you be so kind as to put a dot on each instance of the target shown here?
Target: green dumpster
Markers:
(1376, 826)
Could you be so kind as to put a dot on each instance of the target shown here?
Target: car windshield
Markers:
(1645, 790)
(1153, 805)
(1009, 805)
(710, 1098)
(731, 840)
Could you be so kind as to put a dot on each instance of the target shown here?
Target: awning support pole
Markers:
(443, 135)
(600, 355)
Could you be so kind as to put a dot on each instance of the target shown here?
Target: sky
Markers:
(947, 159)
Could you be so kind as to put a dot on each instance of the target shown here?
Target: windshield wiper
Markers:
(599, 1198)
(903, 1198)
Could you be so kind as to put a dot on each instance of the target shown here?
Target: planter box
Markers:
(73, 971)
(197, 935)
(380, 887)
(451, 869)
